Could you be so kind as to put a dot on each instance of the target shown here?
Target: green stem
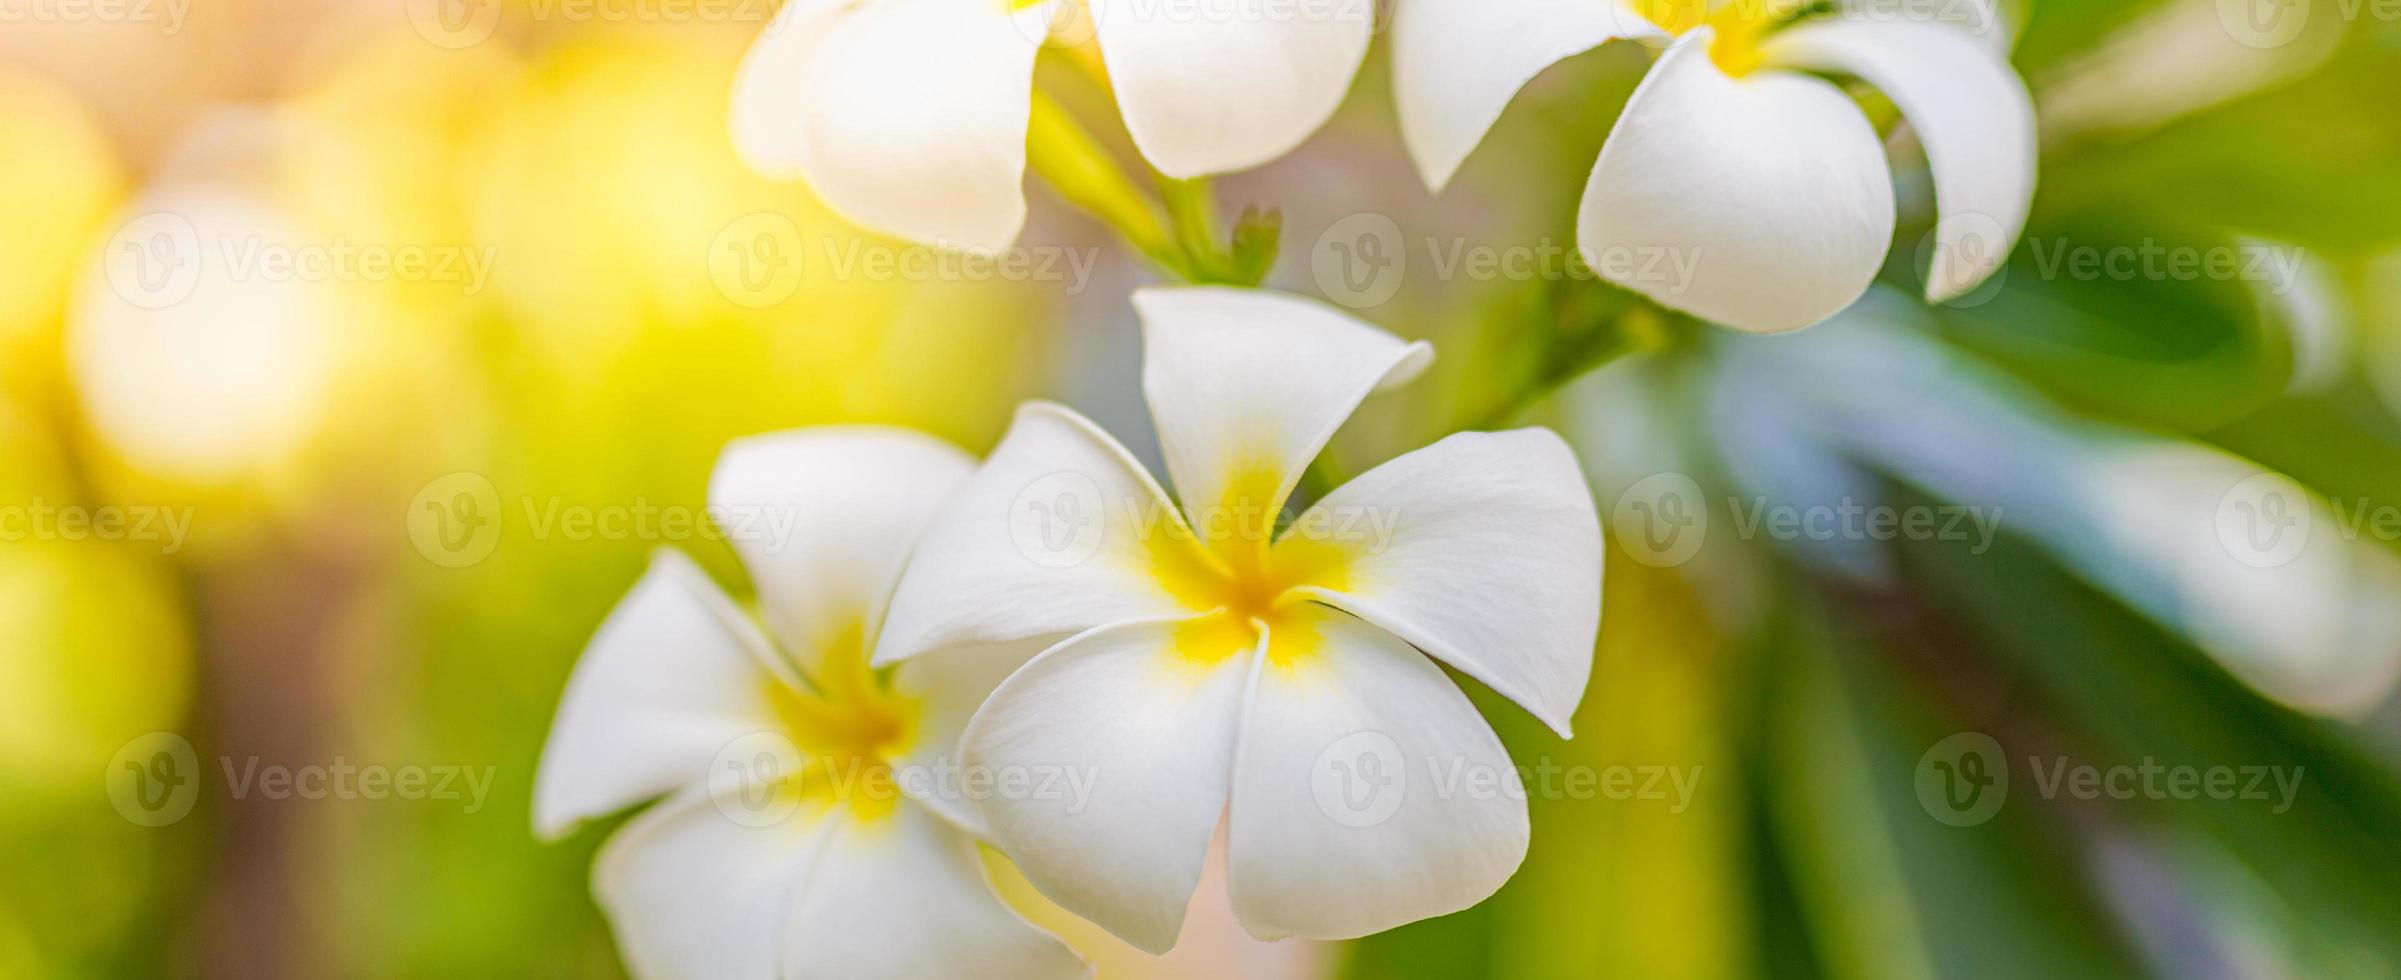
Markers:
(1632, 330)
(1192, 208)
(1082, 171)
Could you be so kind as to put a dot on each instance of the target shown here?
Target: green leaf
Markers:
(1885, 888)
(2124, 691)
(2123, 313)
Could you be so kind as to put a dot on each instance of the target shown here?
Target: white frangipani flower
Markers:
(821, 858)
(1731, 149)
(910, 116)
(1288, 683)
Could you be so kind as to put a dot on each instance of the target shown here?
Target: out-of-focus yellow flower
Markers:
(369, 158)
(626, 232)
(371, 153)
(97, 654)
(606, 181)
(195, 360)
(58, 179)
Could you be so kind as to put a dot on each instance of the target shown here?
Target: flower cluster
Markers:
(1206, 663)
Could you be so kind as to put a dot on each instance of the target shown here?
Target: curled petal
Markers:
(1211, 86)
(1768, 195)
(1969, 109)
(915, 121)
(770, 89)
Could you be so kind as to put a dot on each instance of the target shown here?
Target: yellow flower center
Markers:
(850, 729)
(1741, 25)
(1234, 570)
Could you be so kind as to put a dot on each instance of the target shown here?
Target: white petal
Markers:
(1149, 733)
(768, 109)
(1053, 536)
(672, 677)
(948, 685)
(824, 517)
(1210, 86)
(916, 121)
(1483, 550)
(1772, 190)
(1367, 791)
(1457, 63)
(1247, 386)
(691, 893)
(906, 898)
(1970, 111)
